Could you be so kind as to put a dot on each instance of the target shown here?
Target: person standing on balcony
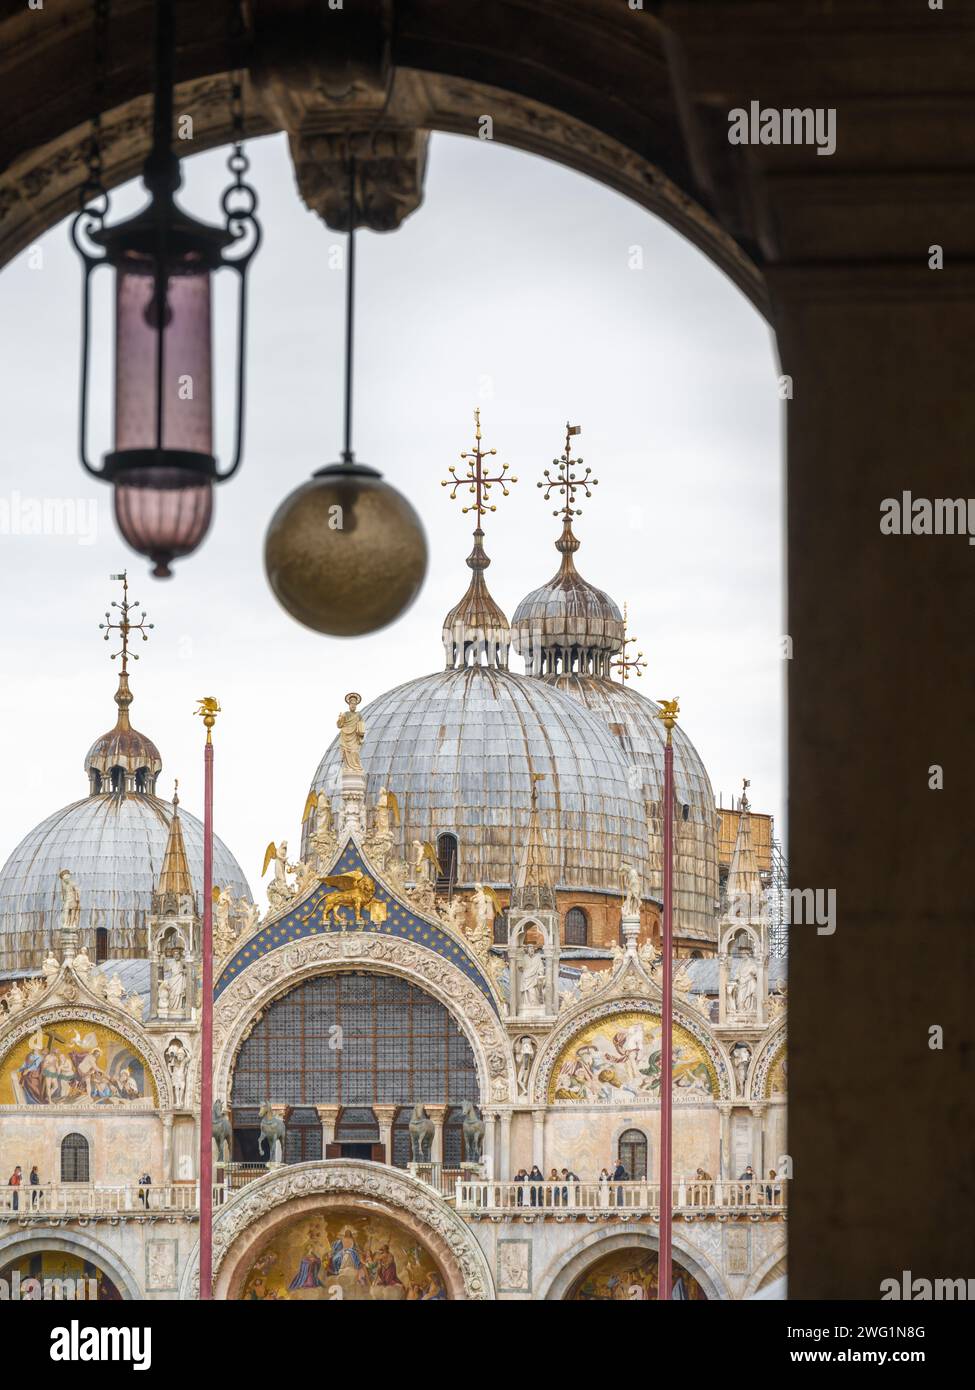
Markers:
(536, 1177)
(619, 1175)
(16, 1178)
(35, 1178)
(604, 1188)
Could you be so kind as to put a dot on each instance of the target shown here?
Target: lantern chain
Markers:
(93, 186)
(237, 162)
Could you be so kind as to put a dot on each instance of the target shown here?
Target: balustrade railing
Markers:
(593, 1197)
(92, 1199)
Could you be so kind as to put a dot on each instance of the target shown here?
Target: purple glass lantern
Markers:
(163, 465)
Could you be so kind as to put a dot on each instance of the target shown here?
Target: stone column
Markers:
(504, 1158)
(329, 1117)
(758, 1161)
(489, 1117)
(724, 1148)
(385, 1116)
(438, 1114)
(167, 1153)
(538, 1138)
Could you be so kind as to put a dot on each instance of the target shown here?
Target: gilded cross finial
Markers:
(477, 481)
(566, 480)
(125, 625)
(625, 663)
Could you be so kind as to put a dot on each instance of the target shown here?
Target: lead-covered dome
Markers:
(632, 720)
(114, 846)
(568, 624)
(458, 748)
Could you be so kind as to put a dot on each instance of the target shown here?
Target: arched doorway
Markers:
(632, 1153)
(352, 1041)
(629, 1274)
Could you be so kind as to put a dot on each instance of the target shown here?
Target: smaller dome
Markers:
(568, 625)
(476, 631)
(123, 759)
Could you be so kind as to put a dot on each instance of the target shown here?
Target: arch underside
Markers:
(415, 68)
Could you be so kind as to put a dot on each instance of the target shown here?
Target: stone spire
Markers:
(476, 631)
(533, 889)
(744, 887)
(175, 875)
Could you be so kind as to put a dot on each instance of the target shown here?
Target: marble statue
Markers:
(115, 990)
(425, 861)
(352, 731)
(70, 913)
(223, 931)
(524, 1056)
(531, 978)
(250, 916)
(455, 915)
(741, 1055)
(747, 982)
(632, 889)
(177, 1060)
(175, 982)
(279, 890)
(134, 1007)
(51, 966)
(81, 965)
(486, 905)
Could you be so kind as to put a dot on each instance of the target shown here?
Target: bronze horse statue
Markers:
(473, 1129)
(222, 1132)
(421, 1134)
(272, 1134)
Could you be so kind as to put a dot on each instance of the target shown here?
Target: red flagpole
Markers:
(206, 1016)
(665, 1259)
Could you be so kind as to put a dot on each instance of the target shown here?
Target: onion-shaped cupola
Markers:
(568, 626)
(123, 760)
(476, 631)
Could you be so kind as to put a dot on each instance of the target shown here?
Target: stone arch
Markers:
(562, 1271)
(243, 1002)
(246, 1221)
(84, 1248)
(22, 1025)
(386, 83)
(763, 1059)
(767, 1272)
(584, 1014)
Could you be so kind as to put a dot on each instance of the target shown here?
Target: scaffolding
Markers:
(778, 902)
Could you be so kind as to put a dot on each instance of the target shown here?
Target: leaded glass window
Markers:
(356, 1040)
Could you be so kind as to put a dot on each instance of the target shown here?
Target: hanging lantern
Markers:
(163, 465)
(345, 553)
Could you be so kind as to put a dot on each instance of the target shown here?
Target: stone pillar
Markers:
(438, 1114)
(329, 1118)
(385, 1116)
(489, 1117)
(724, 1148)
(758, 1160)
(167, 1153)
(538, 1138)
(504, 1158)
(631, 934)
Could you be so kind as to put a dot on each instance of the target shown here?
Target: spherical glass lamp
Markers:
(345, 553)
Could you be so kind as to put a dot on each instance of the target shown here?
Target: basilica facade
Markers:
(437, 1050)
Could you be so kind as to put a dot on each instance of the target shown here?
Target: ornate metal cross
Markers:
(625, 664)
(476, 479)
(566, 481)
(125, 624)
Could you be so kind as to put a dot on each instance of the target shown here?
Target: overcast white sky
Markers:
(511, 288)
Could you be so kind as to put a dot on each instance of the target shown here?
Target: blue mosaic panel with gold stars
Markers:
(378, 911)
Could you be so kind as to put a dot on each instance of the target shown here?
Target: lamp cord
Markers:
(347, 455)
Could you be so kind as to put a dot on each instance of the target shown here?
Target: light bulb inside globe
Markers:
(345, 554)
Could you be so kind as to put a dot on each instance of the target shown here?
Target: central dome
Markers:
(458, 748)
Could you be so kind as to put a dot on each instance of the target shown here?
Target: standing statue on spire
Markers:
(352, 731)
(70, 913)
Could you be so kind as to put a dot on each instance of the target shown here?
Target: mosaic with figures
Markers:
(342, 1254)
(74, 1063)
(618, 1058)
